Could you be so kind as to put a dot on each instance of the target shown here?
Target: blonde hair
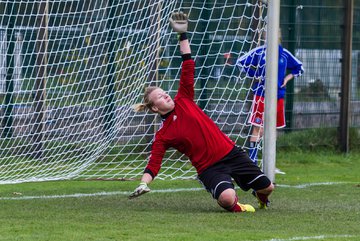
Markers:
(147, 104)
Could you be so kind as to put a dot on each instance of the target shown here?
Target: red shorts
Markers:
(257, 112)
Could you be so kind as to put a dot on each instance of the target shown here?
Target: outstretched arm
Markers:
(179, 24)
(157, 153)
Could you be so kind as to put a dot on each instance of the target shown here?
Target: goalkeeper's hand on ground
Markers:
(141, 189)
(179, 22)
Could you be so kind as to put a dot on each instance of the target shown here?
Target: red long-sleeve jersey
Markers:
(189, 130)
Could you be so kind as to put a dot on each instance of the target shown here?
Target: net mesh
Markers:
(70, 72)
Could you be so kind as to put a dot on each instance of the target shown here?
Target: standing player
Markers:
(188, 129)
(253, 64)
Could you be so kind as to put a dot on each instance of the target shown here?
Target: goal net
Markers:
(71, 70)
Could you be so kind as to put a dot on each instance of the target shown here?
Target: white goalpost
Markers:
(271, 86)
(71, 70)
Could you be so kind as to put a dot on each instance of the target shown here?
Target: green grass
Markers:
(317, 138)
(328, 211)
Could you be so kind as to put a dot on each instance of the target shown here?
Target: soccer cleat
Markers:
(262, 205)
(246, 208)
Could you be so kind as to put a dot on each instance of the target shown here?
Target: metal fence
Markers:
(313, 31)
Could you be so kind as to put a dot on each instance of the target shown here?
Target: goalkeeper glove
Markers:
(179, 22)
(141, 189)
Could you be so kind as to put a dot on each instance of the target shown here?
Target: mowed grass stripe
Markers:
(80, 195)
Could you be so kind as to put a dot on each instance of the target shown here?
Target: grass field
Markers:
(317, 199)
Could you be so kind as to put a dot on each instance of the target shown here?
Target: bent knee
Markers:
(269, 189)
(227, 198)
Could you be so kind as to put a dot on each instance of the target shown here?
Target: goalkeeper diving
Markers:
(185, 127)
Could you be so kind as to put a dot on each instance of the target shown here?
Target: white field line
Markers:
(79, 195)
(306, 185)
(322, 237)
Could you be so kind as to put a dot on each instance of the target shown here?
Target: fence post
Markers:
(40, 81)
(155, 31)
(7, 121)
(289, 106)
(204, 72)
(109, 117)
(346, 77)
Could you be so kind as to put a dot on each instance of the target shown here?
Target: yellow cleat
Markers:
(246, 208)
(262, 205)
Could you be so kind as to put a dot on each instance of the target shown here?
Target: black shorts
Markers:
(235, 166)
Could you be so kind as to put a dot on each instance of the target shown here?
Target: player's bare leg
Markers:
(229, 201)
